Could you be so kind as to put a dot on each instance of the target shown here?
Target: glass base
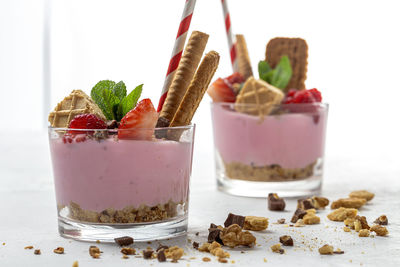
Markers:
(84, 231)
(309, 186)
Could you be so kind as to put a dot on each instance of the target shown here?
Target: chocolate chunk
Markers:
(213, 235)
(161, 256)
(275, 202)
(234, 219)
(286, 240)
(147, 254)
(298, 214)
(281, 221)
(382, 220)
(37, 252)
(197, 234)
(161, 247)
(161, 123)
(196, 245)
(338, 252)
(124, 240)
(113, 124)
(305, 204)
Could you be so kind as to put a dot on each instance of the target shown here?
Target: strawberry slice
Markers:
(222, 89)
(138, 122)
(86, 121)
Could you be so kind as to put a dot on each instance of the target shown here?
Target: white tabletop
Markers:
(28, 214)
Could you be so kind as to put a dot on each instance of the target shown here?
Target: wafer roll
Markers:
(243, 58)
(297, 51)
(196, 90)
(184, 74)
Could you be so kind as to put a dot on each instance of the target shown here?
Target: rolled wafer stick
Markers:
(184, 74)
(243, 59)
(196, 90)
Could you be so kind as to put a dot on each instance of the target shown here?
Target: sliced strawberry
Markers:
(138, 123)
(302, 96)
(220, 91)
(86, 121)
(235, 78)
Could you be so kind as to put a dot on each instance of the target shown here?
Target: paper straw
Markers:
(231, 44)
(177, 50)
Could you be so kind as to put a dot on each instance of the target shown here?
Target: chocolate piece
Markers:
(161, 256)
(305, 204)
(59, 250)
(213, 234)
(197, 234)
(162, 123)
(234, 219)
(196, 245)
(275, 202)
(147, 254)
(112, 124)
(281, 221)
(124, 240)
(286, 240)
(338, 252)
(382, 220)
(298, 214)
(37, 252)
(161, 247)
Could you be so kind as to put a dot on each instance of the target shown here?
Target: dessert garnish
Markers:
(275, 203)
(59, 250)
(342, 214)
(298, 214)
(279, 76)
(310, 217)
(277, 248)
(226, 89)
(296, 50)
(124, 240)
(244, 65)
(364, 233)
(148, 254)
(233, 236)
(86, 121)
(214, 233)
(184, 74)
(174, 253)
(286, 240)
(379, 230)
(294, 96)
(37, 252)
(161, 256)
(75, 104)
(326, 250)
(113, 100)
(234, 219)
(128, 251)
(195, 245)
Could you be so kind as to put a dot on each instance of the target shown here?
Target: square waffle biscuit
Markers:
(261, 95)
(297, 51)
(76, 103)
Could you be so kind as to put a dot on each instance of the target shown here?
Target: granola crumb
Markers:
(354, 203)
(311, 217)
(233, 236)
(94, 252)
(379, 230)
(206, 259)
(128, 251)
(363, 233)
(346, 229)
(28, 247)
(265, 260)
(362, 194)
(125, 257)
(59, 250)
(277, 248)
(174, 253)
(342, 214)
(233, 262)
(98, 241)
(75, 264)
(326, 250)
(299, 223)
(4, 244)
(37, 252)
(255, 223)
(381, 220)
(222, 260)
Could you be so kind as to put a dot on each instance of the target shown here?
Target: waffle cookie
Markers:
(76, 103)
(244, 65)
(261, 95)
(297, 51)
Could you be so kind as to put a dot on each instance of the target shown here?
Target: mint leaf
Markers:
(119, 90)
(130, 101)
(263, 68)
(282, 73)
(101, 94)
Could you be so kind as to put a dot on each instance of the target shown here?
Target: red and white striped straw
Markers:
(178, 48)
(231, 44)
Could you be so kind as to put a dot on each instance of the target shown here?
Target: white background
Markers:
(354, 54)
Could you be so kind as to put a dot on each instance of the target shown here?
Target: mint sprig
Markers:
(278, 77)
(112, 99)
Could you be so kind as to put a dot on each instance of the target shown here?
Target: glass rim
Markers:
(320, 104)
(186, 127)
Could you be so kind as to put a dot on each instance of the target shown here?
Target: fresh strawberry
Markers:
(219, 91)
(86, 121)
(138, 123)
(302, 96)
(234, 78)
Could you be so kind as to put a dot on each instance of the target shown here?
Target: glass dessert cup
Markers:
(282, 152)
(108, 187)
